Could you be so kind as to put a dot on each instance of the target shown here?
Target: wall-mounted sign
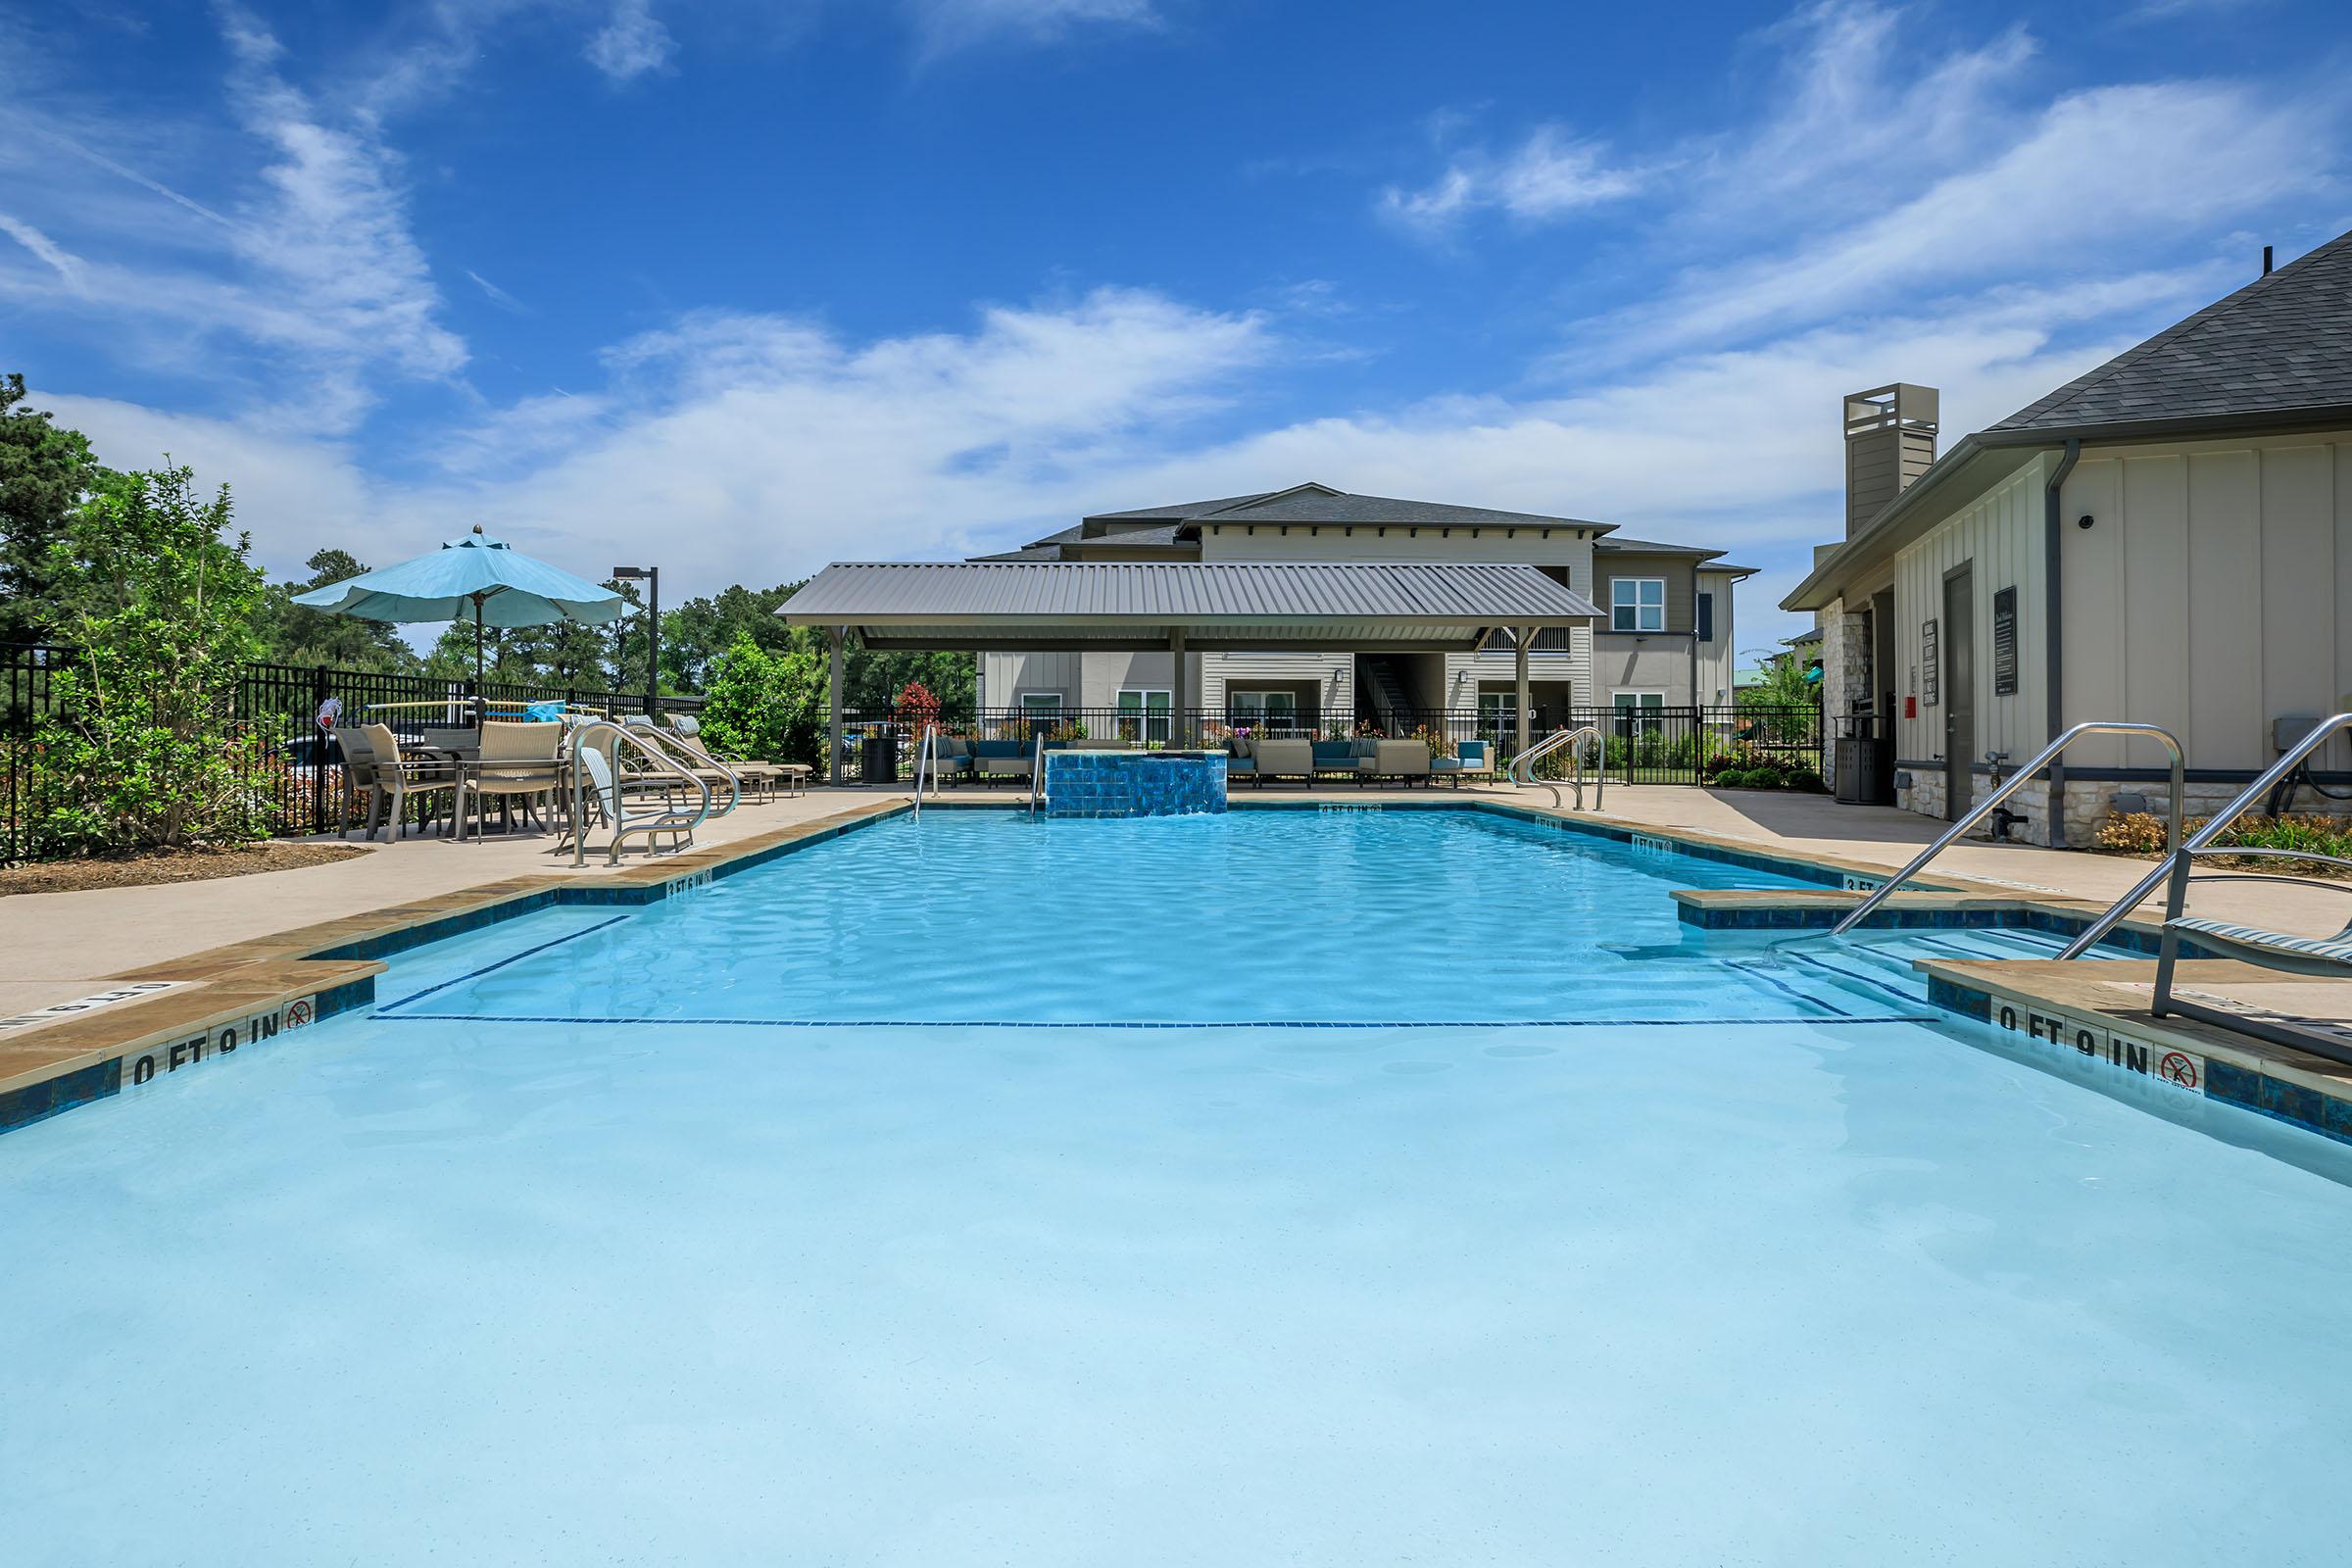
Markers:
(1931, 668)
(2004, 642)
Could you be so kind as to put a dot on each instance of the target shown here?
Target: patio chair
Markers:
(535, 744)
(1402, 760)
(398, 777)
(1282, 758)
(1004, 759)
(359, 779)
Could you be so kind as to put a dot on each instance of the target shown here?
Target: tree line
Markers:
(49, 475)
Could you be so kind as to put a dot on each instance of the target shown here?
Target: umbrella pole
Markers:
(477, 662)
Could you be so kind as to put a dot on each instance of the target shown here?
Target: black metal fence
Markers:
(291, 762)
(1689, 744)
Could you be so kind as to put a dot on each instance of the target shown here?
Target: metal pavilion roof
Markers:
(1035, 605)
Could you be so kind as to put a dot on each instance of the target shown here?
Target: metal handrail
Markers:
(668, 819)
(1037, 775)
(2176, 866)
(1522, 775)
(2018, 781)
(923, 765)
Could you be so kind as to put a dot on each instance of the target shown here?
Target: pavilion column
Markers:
(1180, 694)
(833, 636)
(1521, 641)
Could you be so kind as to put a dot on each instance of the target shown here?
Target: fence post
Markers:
(319, 696)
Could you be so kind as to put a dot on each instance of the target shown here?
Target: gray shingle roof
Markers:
(2282, 342)
(1619, 544)
(1319, 505)
(1178, 513)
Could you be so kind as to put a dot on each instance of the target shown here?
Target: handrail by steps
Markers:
(2018, 781)
(1522, 775)
(2176, 866)
(924, 754)
(1037, 775)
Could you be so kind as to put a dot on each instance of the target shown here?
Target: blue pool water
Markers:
(1659, 1247)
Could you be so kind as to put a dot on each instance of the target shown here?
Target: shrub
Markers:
(141, 752)
(2143, 833)
(1806, 780)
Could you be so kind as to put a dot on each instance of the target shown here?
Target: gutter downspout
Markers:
(2053, 633)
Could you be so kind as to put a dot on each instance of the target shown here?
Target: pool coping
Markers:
(258, 989)
(2066, 1010)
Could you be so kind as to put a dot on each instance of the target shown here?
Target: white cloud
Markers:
(65, 264)
(311, 273)
(944, 26)
(1547, 177)
(496, 295)
(631, 43)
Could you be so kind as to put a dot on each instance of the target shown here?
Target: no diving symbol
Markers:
(2178, 1068)
(298, 1014)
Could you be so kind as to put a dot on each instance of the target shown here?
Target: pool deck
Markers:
(238, 951)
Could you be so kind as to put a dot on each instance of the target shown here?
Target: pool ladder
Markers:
(1522, 771)
(1037, 776)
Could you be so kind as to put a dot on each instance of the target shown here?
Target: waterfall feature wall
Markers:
(1081, 783)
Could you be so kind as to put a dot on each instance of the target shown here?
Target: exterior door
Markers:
(1959, 693)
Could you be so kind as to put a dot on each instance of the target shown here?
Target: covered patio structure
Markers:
(1181, 608)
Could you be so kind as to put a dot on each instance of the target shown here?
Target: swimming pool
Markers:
(1320, 1188)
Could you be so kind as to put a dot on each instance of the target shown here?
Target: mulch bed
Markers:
(170, 866)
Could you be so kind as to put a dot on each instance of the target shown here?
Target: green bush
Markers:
(157, 594)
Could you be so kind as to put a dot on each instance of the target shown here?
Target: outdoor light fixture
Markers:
(652, 577)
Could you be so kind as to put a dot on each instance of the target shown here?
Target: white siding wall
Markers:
(1717, 660)
(2247, 545)
(2208, 596)
(2000, 534)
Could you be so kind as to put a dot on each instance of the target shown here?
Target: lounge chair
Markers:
(2326, 958)
(534, 746)
(398, 777)
(1404, 759)
(1340, 756)
(1475, 762)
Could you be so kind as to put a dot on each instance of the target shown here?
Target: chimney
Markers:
(1890, 441)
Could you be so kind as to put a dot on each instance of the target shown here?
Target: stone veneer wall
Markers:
(2088, 803)
(1134, 783)
(1844, 677)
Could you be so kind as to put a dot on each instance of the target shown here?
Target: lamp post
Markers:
(652, 577)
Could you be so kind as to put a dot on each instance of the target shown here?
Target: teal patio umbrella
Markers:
(505, 587)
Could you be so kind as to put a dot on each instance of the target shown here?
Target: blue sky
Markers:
(745, 288)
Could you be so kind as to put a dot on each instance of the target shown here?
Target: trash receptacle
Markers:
(1857, 766)
(878, 758)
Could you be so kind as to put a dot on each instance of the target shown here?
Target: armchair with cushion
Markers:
(1404, 759)
(1475, 762)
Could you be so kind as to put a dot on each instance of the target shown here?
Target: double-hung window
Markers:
(1637, 604)
(1145, 716)
(1268, 711)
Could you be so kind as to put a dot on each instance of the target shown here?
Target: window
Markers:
(1637, 604)
(1041, 702)
(1706, 618)
(1270, 710)
(1634, 711)
(1145, 716)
